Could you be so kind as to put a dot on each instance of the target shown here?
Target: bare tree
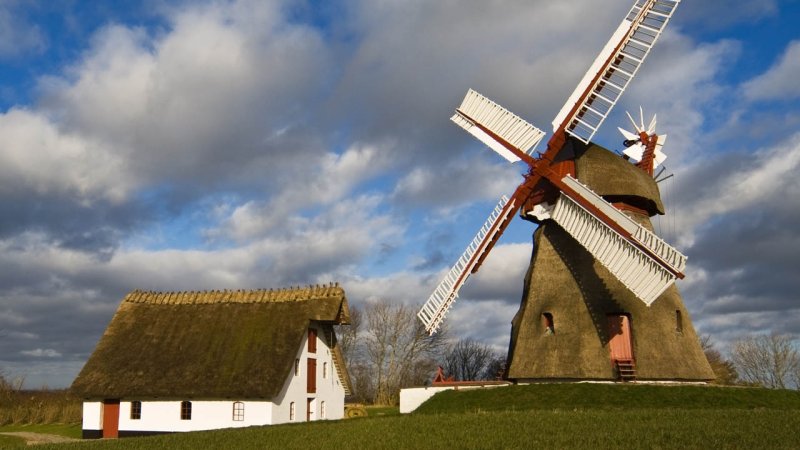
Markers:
(398, 350)
(347, 335)
(470, 360)
(771, 361)
(724, 369)
(352, 350)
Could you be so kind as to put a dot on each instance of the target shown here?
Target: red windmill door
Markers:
(110, 418)
(619, 331)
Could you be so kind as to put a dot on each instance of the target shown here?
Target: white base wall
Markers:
(92, 415)
(206, 415)
(411, 398)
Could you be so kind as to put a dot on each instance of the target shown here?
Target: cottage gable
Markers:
(212, 344)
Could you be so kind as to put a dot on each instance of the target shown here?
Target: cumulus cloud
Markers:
(779, 82)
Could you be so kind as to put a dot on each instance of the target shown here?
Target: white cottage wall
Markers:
(165, 416)
(329, 386)
(92, 415)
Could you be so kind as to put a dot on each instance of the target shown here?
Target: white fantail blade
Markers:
(652, 127)
(614, 68)
(633, 122)
(641, 118)
(476, 109)
(659, 156)
(643, 262)
(628, 135)
(435, 309)
(635, 152)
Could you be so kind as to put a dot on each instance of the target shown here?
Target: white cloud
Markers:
(750, 183)
(38, 157)
(463, 180)
(317, 185)
(779, 82)
(41, 353)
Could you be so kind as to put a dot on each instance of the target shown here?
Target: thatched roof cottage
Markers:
(186, 361)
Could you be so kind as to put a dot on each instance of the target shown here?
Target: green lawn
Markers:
(536, 416)
(8, 442)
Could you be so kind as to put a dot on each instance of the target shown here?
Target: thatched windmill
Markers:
(599, 300)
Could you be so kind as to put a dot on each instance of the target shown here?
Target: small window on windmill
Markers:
(547, 322)
(325, 370)
(296, 367)
(678, 321)
(291, 411)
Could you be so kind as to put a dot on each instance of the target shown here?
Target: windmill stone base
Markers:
(578, 322)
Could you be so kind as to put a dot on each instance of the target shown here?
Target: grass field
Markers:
(536, 416)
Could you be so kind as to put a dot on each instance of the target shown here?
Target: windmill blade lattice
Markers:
(597, 93)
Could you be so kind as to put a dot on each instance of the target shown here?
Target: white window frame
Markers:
(238, 411)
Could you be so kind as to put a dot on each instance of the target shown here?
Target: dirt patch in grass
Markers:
(39, 438)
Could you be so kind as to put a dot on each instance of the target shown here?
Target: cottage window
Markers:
(291, 411)
(136, 410)
(238, 411)
(312, 340)
(186, 410)
(325, 370)
(296, 367)
(322, 409)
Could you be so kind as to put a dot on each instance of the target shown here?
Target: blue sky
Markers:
(247, 144)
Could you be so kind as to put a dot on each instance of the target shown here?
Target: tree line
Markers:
(387, 349)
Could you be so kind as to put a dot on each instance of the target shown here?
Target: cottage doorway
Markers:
(310, 410)
(110, 419)
(620, 344)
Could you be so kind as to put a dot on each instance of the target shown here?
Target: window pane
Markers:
(238, 411)
(136, 410)
(186, 410)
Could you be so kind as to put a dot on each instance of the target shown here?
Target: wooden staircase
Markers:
(626, 370)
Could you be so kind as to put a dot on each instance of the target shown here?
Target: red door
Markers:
(311, 373)
(619, 330)
(110, 418)
(310, 413)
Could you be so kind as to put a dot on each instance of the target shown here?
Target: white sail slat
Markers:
(636, 269)
(435, 309)
(475, 108)
(616, 65)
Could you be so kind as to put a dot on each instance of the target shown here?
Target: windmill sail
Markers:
(434, 310)
(500, 122)
(614, 68)
(645, 264)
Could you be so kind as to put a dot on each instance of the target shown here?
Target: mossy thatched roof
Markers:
(214, 344)
(616, 179)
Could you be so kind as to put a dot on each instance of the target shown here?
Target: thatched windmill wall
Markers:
(562, 332)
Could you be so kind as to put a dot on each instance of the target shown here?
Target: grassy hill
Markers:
(535, 416)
